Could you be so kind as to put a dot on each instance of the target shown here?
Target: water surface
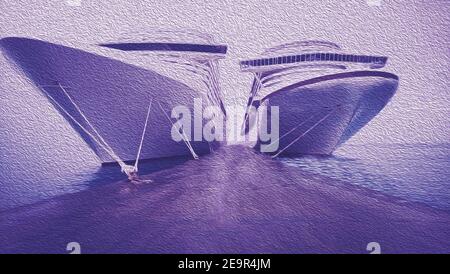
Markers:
(239, 201)
(413, 172)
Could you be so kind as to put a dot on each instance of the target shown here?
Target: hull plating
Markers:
(113, 95)
(318, 115)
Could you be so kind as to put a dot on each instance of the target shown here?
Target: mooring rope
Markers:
(306, 132)
(143, 135)
(86, 119)
(182, 135)
(99, 140)
(258, 87)
(290, 131)
(106, 148)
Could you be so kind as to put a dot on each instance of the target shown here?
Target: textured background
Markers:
(414, 34)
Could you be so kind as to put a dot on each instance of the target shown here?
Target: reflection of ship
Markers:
(111, 84)
(324, 95)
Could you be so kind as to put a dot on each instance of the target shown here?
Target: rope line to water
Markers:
(110, 152)
(87, 121)
(290, 131)
(306, 132)
(182, 135)
(258, 86)
(143, 135)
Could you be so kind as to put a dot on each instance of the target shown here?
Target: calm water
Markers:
(418, 173)
(238, 201)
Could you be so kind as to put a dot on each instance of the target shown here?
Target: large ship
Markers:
(324, 95)
(119, 94)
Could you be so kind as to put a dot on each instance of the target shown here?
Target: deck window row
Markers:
(311, 57)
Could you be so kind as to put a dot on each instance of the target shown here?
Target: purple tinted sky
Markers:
(413, 34)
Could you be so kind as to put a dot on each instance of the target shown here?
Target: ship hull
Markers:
(318, 115)
(112, 94)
